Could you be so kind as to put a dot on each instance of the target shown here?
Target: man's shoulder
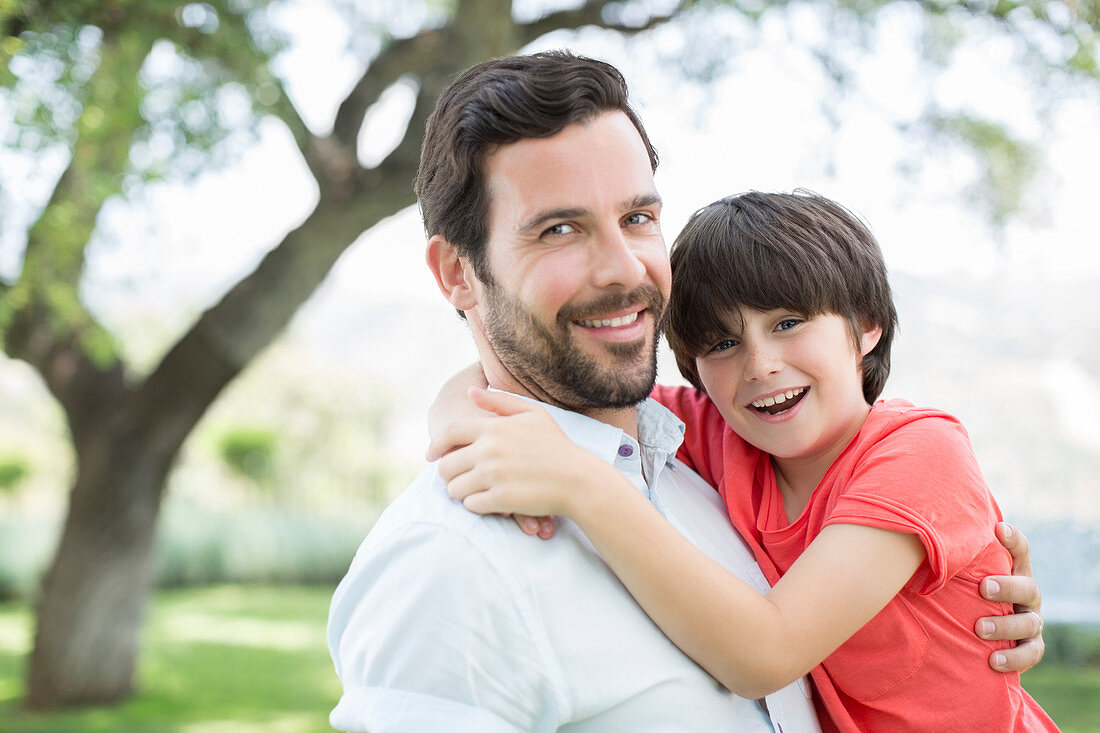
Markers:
(425, 524)
(427, 554)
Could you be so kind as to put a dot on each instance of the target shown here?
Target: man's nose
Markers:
(617, 261)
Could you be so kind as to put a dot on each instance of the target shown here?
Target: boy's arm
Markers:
(752, 644)
(450, 405)
(1020, 589)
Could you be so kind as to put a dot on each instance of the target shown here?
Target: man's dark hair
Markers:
(765, 251)
(495, 103)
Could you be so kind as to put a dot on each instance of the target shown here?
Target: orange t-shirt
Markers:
(917, 665)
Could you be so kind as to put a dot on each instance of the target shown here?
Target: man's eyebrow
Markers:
(643, 200)
(536, 221)
(542, 217)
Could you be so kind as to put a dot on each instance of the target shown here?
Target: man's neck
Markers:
(624, 418)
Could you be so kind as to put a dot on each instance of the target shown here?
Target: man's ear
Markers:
(453, 273)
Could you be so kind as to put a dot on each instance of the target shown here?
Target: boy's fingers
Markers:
(480, 502)
(1023, 657)
(546, 527)
(528, 524)
(501, 403)
(458, 434)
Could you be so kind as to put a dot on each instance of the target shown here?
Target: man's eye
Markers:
(638, 218)
(559, 229)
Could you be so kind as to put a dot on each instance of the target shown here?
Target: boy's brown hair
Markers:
(765, 251)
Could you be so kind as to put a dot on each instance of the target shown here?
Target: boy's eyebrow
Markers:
(536, 221)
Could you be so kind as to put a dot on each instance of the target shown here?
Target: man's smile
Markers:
(614, 322)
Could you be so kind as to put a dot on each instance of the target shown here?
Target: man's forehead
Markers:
(599, 163)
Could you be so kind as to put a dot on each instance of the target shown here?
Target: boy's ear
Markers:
(869, 338)
(453, 273)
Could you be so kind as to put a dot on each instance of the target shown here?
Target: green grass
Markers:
(229, 659)
(252, 659)
(1069, 694)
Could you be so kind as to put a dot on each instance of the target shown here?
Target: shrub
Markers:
(249, 452)
(13, 470)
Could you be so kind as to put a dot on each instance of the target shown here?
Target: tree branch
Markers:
(393, 62)
(44, 322)
(591, 13)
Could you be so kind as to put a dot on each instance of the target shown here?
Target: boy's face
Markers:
(808, 369)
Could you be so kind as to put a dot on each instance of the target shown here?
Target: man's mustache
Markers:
(646, 296)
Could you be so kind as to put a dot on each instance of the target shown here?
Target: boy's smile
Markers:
(790, 386)
(779, 402)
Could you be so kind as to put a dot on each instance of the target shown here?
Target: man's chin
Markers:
(615, 389)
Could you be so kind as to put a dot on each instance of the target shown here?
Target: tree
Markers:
(77, 74)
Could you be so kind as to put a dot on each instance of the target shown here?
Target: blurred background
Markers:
(218, 339)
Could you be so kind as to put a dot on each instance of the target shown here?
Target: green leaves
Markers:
(1007, 164)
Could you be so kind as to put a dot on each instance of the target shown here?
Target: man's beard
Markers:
(548, 361)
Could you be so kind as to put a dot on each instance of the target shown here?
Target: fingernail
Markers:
(985, 628)
(999, 660)
(992, 587)
(1007, 530)
(531, 525)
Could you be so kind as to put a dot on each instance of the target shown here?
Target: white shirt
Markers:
(450, 621)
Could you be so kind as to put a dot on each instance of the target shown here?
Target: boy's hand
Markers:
(451, 405)
(1020, 589)
(542, 527)
(518, 462)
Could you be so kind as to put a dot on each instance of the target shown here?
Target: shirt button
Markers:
(626, 451)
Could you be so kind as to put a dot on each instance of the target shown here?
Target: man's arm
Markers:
(425, 635)
(1020, 589)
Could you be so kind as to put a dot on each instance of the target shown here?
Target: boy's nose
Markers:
(761, 362)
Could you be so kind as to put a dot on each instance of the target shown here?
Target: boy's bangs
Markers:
(715, 281)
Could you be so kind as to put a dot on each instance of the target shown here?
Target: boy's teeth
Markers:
(780, 398)
(619, 321)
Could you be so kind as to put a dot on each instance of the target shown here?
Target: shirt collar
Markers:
(659, 431)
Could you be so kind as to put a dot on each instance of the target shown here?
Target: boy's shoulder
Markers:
(900, 420)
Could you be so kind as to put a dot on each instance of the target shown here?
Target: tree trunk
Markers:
(93, 597)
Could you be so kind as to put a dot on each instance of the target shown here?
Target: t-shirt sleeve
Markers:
(423, 639)
(703, 429)
(922, 478)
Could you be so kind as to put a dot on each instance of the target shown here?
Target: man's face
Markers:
(578, 263)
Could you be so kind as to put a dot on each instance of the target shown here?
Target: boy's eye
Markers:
(723, 345)
(787, 324)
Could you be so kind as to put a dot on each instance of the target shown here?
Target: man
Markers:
(536, 186)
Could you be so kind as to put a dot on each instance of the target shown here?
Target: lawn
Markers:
(246, 659)
(229, 659)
